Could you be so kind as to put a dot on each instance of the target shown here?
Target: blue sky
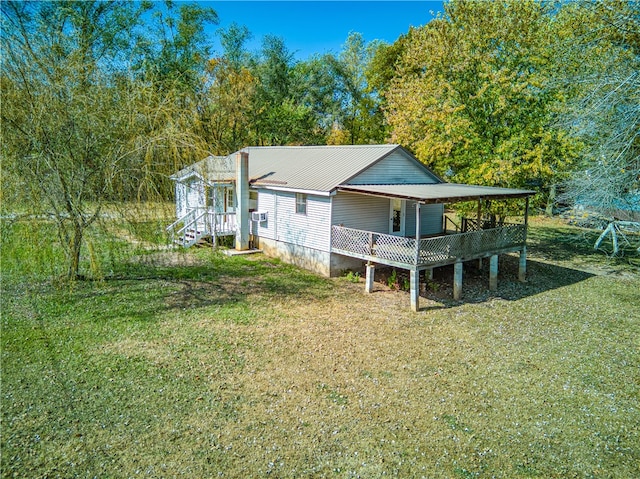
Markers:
(309, 27)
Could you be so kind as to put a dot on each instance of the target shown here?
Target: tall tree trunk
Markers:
(74, 253)
(551, 200)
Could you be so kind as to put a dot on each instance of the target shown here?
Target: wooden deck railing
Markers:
(438, 250)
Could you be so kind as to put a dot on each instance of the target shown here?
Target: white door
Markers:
(397, 217)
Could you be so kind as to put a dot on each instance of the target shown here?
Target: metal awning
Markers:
(437, 192)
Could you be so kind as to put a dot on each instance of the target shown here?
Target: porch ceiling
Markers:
(437, 192)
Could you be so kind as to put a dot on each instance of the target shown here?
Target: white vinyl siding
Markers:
(397, 168)
(181, 200)
(301, 203)
(267, 203)
(312, 230)
(363, 212)
(430, 219)
(195, 196)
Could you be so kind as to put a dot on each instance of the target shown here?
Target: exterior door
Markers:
(397, 217)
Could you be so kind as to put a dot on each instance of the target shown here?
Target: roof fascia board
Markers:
(293, 190)
(444, 199)
(187, 176)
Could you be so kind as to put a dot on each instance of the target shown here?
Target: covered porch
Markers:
(474, 239)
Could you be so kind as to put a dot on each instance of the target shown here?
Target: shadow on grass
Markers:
(570, 243)
(147, 288)
(541, 277)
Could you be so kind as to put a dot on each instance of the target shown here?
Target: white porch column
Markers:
(414, 289)
(418, 228)
(457, 280)
(522, 267)
(368, 282)
(493, 273)
(479, 222)
(242, 194)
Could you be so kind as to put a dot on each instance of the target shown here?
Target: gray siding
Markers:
(430, 219)
(364, 212)
(397, 168)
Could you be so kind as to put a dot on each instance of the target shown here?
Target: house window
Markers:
(229, 200)
(301, 203)
(253, 200)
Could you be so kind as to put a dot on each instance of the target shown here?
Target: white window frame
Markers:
(301, 203)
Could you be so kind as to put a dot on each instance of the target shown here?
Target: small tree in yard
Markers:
(77, 128)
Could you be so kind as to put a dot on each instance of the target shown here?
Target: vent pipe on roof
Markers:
(242, 195)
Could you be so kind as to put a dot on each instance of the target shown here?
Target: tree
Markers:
(600, 47)
(76, 122)
(360, 119)
(280, 116)
(176, 55)
(473, 97)
(231, 86)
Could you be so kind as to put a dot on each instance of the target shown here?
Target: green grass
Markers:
(198, 365)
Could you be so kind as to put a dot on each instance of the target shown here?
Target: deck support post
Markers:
(368, 282)
(479, 225)
(457, 280)
(414, 287)
(522, 266)
(493, 273)
(430, 274)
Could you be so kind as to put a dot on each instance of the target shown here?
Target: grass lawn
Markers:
(198, 365)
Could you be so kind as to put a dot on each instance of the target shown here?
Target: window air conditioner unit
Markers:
(259, 216)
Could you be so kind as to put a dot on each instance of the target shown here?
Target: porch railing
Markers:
(389, 249)
(199, 223)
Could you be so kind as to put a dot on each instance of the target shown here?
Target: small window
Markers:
(301, 203)
(229, 199)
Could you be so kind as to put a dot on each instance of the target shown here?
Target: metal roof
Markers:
(308, 168)
(438, 192)
(212, 168)
(313, 168)
(324, 168)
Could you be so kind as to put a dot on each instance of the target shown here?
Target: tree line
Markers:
(104, 100)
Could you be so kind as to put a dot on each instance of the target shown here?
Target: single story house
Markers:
(333, 208)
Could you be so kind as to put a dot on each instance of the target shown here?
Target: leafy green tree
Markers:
(360, 119)
(228, 104)
(315, 85)
(280, 115)
(473, 96)
(177, 52)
